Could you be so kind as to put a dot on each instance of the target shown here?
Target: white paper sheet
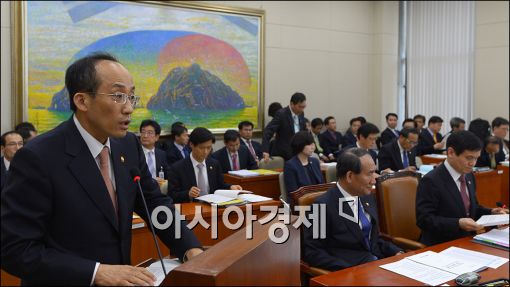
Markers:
(156, 269)
(446, 263)
(494, 219)
(419, 272)
(488, 260)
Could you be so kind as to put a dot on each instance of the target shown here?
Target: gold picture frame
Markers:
(231, 42)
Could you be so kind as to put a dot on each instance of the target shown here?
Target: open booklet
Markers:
(228, 197)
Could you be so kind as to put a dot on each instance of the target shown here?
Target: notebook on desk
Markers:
(225, 197)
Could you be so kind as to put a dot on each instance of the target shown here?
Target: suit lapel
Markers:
(86, 171)
(351, 225)
(121, 179)
(398, 155)
(190, 169)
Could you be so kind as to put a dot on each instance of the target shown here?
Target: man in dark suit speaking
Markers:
(446, 203)
(67, 208)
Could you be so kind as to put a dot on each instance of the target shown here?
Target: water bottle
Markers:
(161, 173)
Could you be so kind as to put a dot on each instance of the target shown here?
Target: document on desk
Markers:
(494, 219)
(419, 272)
(447, 263)
(156, 269)
(488, 260)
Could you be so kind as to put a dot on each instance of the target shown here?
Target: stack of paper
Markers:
(243, 173)
(494, 219)
(496, 237)
(433, 268)
(505, 163)
(226, 197)
(425, 168)
(433, 155)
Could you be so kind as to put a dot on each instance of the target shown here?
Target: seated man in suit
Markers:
(155, 157)
(400, 155)
(178, 148)
(68, 205)
(409, 124)
(317, 125)
(197, 174)
(490, 155)
(11, 142)
(302, 169)
(26, 130)
(246, 132)
(351, 230)
(390, 133)
(500, 129)
(430, 140)
(456, 124)
(331, 140)
(367, 135)
(446, 203)
(286, 122)
(350, 136)
(420, 122)
(234, 156)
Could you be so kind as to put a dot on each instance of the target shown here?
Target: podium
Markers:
(240, 261)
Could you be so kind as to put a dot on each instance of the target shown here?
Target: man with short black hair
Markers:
(317, 125)
(400, 155)
(178, 148)
(420, 121)
(367, 135)
(410, 124)
(350, 137)
(12, 141)
(390, 133)
(26, 130)
(351, 230)
(500, 129)
(67, 208)
(155, 157)
(197, 174)
(446, 203)
(331, 140)
(286, 122)
(234, 156)
(246, 131)
(430, 138)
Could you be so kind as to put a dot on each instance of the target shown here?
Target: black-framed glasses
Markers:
(122, 98)
(411, 142)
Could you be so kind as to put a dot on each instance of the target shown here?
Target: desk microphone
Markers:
(135, 173)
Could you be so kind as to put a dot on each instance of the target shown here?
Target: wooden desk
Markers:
(505, 189)
(488, 187)
(426, 159)
(142, 244)
(265, 185)
(370, 274)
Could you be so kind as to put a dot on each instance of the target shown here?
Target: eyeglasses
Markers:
(121, 98)
(20, 144)
(147, 133)
(411, 143)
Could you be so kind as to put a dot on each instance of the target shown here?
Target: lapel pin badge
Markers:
(122, 159)
(210, 167)
(469, 182)
(367, 204)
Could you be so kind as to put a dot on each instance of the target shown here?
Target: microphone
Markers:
(135, 174)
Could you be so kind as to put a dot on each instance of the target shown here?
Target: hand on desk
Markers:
(266, 157)
(499, 210)
(194, 192)
(192, 253)
(116, 275)
(468, 224)
(236, 187)
(409, 168)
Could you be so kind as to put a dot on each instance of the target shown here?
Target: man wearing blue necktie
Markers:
(352, 232)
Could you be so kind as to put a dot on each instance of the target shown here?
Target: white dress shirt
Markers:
(353, 204)
(455, 175)
(7, 164)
